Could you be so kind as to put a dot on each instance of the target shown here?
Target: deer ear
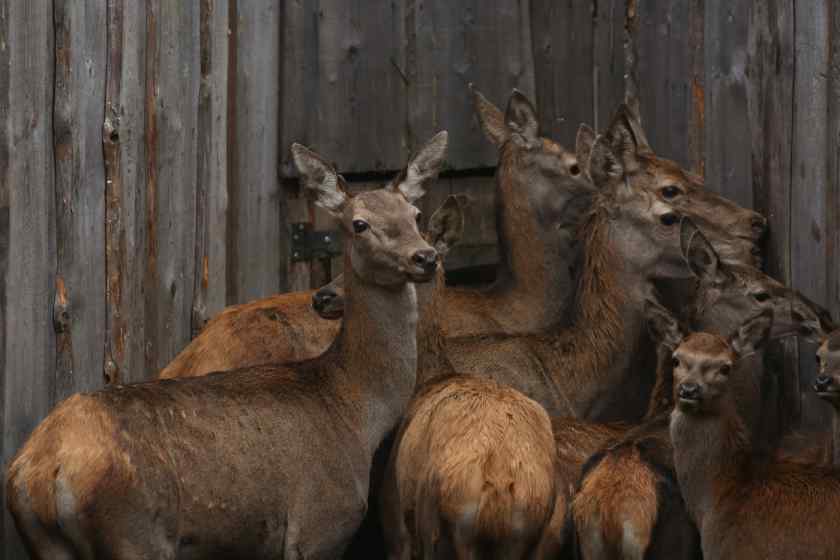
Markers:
(698, 252)
(423, 167)
(521, 118)
(320, 180)
(490, 118)
(634, 119)
(752, 334)
(584, 143)
(446, 226)
(662, 325)
(616, 152)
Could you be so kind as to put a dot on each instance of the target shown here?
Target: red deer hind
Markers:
(268, 462)
(745, 504)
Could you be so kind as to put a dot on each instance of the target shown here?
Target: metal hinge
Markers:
(308, 244)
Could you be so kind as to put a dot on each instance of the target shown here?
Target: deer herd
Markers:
(607, 397)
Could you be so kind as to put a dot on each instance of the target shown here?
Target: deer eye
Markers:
(669, 219)
(725, 370)
(360, 226)
(418, 217)
(670, 191)
(574, 169)
(675, 362)
(761, 297)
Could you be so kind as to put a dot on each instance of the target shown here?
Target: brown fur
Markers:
(277, 329)
(474, 466)
(453, 484)
(725, 298)
(266, 462)
(745, 505)
(827, 386)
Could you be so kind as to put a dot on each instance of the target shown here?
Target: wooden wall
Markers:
(146, 180)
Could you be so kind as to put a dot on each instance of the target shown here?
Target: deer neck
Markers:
(431, 345)
(377, 349)
(528, 271)
(601, 347)
(709, 452)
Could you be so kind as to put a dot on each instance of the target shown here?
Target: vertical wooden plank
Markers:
(608, 59)
(299, 275)
(697, 101)
(5, 145)
(211, 196)
(770, 113)
(728, 158)
(833, 202)
(124, 149)
(453, 43)
(809, 190)
(255, 196)
(563, 43)
(172, 108)
(345, 83)
(79, 103)
(30, 288)
(664, 74)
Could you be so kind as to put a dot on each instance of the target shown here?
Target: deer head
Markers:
(622, 154)
(385, 246)
(703, 363)
(827, 383)
(728, 293)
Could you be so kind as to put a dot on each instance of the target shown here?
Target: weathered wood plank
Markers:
(697, 108)
(345, 83)
(833, 202)
(171, 139)
(809, 189)
(5, 74)
(30, 288)
(770, 104)
(124, 150)
(664, 74)
(211, 196)
(255, 268)
(563, 35)
(728, 158)
(608, 59)
(479, 245)
(80, 49)
(297, 211)
(453, 43)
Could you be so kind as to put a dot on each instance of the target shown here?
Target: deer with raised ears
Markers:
(827, 387)
(745, 504)
(624, 524)
(267, 462)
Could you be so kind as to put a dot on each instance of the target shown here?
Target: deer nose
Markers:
(759, 225)
(322, 299)
(425, 259)
(822, 383)
(690, 391)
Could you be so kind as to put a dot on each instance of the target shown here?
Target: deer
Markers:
(271, 461)
(745, 503)
(470, 473)
(630, 236)
(647, 518)
(504, 522)
(827, 387)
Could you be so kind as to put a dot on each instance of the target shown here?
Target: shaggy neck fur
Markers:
(377, 346)
(710, 450)
(431, 345)
(533, 270)
(600, 349)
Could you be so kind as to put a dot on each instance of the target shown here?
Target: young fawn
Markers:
(267, 462)
(827, 386)
(745, 504)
